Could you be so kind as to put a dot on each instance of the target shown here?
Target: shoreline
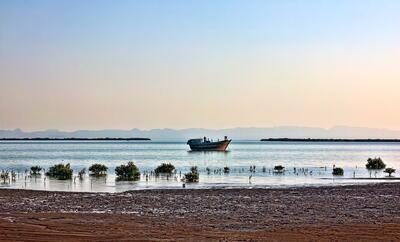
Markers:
(365, 178)
(349, 212)
(229, 187)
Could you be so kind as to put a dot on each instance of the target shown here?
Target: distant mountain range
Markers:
(342, 132)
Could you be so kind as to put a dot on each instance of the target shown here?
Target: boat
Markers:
(205, 144)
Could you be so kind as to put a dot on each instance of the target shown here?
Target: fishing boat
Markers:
(205, 144)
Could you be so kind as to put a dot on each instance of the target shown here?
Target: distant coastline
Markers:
(342, 132)
(329, 140)
(71, 139)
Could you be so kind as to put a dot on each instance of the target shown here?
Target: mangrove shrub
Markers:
(226, 170)
(35, 170)
(375, 164)
(98, 170)
(278, 168)
(164, 168)
(389, 171)
(337, 171)
(193, 175)
(4, 175)
(60, 172)
(81, 173)
(128, 172)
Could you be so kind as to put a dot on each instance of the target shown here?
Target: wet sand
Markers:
(346, 213)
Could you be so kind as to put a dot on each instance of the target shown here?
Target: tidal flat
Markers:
(346, 213)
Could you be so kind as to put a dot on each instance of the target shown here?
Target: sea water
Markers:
(306, 163)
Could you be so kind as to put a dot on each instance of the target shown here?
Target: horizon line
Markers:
(213, 129)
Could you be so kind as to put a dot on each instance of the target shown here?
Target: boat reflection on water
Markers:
(205, 144)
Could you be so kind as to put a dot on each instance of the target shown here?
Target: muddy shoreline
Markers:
(358, 212)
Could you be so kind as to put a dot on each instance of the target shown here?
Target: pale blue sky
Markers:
(215, 64)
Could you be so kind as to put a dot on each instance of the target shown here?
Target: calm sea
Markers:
(305, 163)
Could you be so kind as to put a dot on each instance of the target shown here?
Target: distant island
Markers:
(249, 133)
(328, 140)
(70, 139)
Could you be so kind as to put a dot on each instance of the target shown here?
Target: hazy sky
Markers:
(215, 64)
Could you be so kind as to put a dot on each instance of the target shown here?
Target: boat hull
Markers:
(212, 146)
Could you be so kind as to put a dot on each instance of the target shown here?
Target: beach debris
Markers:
(192, 176)
(60, 172)
(337, 171)
(389, 171)
(128, 172)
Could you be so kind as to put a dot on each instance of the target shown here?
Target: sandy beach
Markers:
(349, 213)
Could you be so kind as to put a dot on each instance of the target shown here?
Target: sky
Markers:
(69, 64)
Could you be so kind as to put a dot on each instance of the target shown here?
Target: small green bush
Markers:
(279, 168)
(98, 170)
(60, 172)
(128, 172)
(375, 164)
(226, 170)
(389, 171)
(13, 176)
(35, 170)
(337, 171)
(164, 168)
(81, 173)
(4, 175)
(193, 175)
